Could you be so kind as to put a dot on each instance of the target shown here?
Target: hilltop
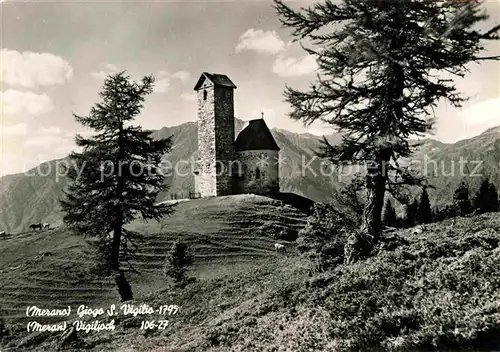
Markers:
(434, 290)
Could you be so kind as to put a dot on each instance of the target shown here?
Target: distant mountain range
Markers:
(26, 199)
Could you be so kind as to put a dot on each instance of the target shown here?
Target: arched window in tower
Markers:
(205, 94)
(257, 173)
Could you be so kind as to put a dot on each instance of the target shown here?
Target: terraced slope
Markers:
(54, 268)
(220, 228)
(49, 269)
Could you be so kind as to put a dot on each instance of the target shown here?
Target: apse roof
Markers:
(256, 136)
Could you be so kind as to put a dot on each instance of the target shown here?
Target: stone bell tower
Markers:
(215, 134)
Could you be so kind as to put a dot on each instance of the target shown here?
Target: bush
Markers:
(324, 235)
(461, 200)
(447, 212)
(177, 261)
(4, 332)
(286, 234)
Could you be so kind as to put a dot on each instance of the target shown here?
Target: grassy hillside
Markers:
(437, 290)
(55, 268)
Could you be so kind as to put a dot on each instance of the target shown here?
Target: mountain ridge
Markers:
(27, 199)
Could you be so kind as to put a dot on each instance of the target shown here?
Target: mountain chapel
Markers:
(247, 164)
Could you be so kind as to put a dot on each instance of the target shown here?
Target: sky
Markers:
(55, 56)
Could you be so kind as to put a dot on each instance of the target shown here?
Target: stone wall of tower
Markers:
(207, 180)
(215, 139)
(224, 138)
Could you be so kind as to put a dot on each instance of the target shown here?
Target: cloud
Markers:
(320, 130)
(32, 70)
(46, 141)
(183, 76)
(110, 69)
(16, 102)
(84, 134)
(294, 67)
(162, 83)
(63, 150)
(20, 129)
(188, 96)
(164, 80)
(485, 113)
(260, 41)
(269, 43)
(100, 74)
(49, 130)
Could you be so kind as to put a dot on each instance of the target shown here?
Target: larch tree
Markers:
(380, 66)
(117, 175)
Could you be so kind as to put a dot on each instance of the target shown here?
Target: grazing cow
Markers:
(279, 247)
(46, 225)
(36, 226)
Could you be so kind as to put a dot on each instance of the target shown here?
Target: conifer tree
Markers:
(116, 177)
(377, 86)
(461, 202)
(411, 218)
(482, 197)
(486, 198)
(177, 261)
(493, 198)
(390, 218)
(424, 214)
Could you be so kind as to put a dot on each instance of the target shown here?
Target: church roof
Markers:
(216, 78)
(256, 136)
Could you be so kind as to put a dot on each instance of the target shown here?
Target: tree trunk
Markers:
(124, 289)
(360, 244)
(117, 234)
(114, 259)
